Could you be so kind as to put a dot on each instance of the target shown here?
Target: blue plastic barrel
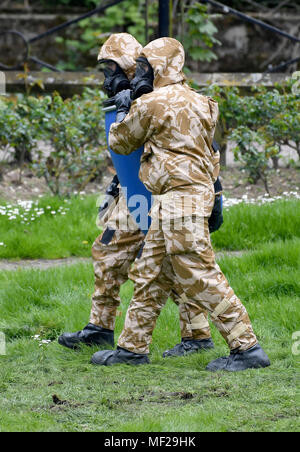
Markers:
(127, 167)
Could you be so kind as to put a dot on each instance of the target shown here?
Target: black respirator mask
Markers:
(144, 78)
(115, 79)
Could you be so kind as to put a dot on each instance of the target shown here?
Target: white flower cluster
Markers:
(41, 342)
(28, 211)
(263, 199)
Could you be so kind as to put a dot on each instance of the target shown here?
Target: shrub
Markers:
(18, 136)
(198, 33)
(73, 129)
(252, 152)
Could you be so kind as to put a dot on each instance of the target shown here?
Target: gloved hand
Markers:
(111, 193)
(216, 220)
(123, 102)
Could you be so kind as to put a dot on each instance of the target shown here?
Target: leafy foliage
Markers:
(129, 17)
(17, 133)
(192, 25)
(73, 129)
(250, 150)
(200, 39)
(260, 124)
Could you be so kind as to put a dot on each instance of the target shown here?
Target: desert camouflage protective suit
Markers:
(179, 167)
(116, 249)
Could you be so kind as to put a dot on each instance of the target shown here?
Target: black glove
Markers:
(111, 193)
(216, 220)
(123, 102)
(218, 186)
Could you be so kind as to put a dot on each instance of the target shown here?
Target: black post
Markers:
(164, 18)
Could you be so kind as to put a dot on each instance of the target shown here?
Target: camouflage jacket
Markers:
(176, 124)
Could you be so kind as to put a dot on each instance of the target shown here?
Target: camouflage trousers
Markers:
(184, 255)
(113, 254)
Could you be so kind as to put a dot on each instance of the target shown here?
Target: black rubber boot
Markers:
(254, 358)
(119, 356)
(188, 346)
(90, 335)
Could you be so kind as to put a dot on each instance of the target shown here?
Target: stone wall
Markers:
(249, 48)
(69, 83)
(245, 47)
(31, 25)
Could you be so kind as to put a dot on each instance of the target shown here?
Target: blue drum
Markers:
(139, 199)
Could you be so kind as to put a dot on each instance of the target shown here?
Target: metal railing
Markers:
(27, 42)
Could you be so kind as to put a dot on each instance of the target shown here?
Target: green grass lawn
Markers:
(167, 395)
(247, 226)
(57, 233)
(70, 231)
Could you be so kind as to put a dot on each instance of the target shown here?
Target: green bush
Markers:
(74, 129)
(260, 124)
(18, 136)
(198, 33)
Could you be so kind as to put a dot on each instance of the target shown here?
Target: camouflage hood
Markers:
(167, 57)
(123, 49)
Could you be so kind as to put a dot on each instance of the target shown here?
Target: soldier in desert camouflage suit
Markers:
(117, 248)
(179, 167)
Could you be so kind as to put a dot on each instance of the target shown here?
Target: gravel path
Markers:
(45, 264)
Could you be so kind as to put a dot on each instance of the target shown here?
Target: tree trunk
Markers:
(21, 156)
(298, 148)
(223, 155)
(275, 161)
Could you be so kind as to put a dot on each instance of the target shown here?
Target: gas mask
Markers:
(115, 78)
(144, 78)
